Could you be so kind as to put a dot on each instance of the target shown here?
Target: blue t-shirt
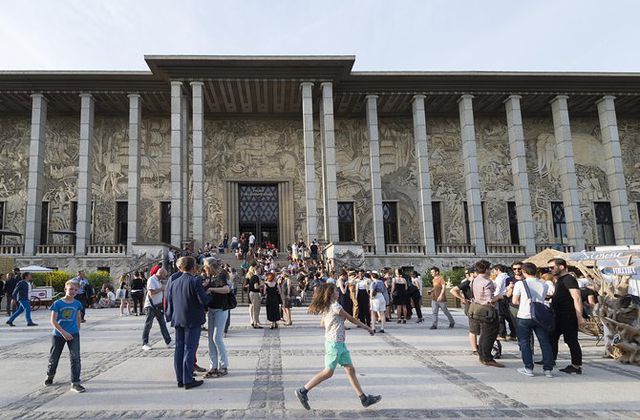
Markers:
(66, 315)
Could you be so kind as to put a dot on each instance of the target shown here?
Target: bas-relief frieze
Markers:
(447, 175)
(496, 181)
(252, 150)
(629, 131)
(14, 168)
(544, 175)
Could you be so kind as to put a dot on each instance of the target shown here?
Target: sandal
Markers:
(222, 372)
(212, 373)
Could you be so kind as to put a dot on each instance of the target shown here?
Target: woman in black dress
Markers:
(400, 296)
(274, 299)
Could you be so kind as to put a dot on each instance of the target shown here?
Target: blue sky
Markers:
(542, 35)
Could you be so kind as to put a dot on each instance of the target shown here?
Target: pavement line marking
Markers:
(475, 387)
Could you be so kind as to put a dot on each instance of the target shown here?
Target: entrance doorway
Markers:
(259, 212)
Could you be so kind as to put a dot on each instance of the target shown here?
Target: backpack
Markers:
(541, 314)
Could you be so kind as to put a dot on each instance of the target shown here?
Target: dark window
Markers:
(437, 221)
(559, 223)
(165, 222)
(346, 222)
(2, 207)
(73, 215)
(390, 222)
(512, 214)
(122, 223)
(466, 222)
(604, 224)
(44, 224)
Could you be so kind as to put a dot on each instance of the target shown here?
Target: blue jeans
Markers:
(23, 306)
(57, 345)
(525, 328)
(185, 354)
(215, 330)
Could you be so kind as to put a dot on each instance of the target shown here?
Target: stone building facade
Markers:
(410, 168)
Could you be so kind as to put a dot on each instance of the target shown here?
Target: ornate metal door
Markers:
(258, 208)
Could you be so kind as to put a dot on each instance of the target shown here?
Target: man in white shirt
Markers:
(252, 240)
(501, 281)
(154, 305)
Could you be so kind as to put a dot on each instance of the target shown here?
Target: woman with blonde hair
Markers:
(123, 294)
(252, 281)
(217, 283)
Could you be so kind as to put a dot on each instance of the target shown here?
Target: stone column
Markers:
(520, 175)
(424, 176)
(35, 187)
(133, 172)
(471, 176)
(83, 229)
(376, 183)
(567, 168)
(309, 161)
(615, 172)
(329, 150)
(198, 211)
(185, 168)
(176, 164)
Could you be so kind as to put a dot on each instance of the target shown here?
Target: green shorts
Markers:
(336, 354)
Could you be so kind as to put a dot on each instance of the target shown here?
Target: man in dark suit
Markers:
(185, 300)
(9, 285)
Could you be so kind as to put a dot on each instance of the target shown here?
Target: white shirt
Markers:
(234, 240)
(539, 291)
(501, 284)
(252, 239)
(153, 283)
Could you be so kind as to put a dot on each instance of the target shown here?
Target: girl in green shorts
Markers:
(325, 303)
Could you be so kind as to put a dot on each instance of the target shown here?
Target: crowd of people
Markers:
(195, 291)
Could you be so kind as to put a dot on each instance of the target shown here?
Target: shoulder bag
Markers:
(479, 312)
(541, 314)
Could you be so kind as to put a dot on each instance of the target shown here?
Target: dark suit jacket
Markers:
(185, 301)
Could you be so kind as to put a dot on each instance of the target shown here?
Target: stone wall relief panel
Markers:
(399, 173)
(353, 173)
(447, 175)
(252, 150)
(629, 130)
(110, 162)
(496, 181)
(61, 173)
(15, 136)
(155, 174)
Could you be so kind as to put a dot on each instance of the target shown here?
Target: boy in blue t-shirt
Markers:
(66, 315)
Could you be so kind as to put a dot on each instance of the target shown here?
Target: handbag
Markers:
(541, 314)
(481, 313)
(230, 302)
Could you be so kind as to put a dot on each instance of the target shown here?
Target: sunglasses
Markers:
(517, 268)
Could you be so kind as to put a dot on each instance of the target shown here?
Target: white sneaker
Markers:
(525, 371)
(146, 347)
(548, 374)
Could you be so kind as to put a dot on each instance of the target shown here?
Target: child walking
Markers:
(66, 314)
(325, 303)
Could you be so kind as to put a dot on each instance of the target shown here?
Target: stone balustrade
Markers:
(369, 248)
(98, 249)
(561, 247)
(405, 249)
(590, 247)
(56, 249)
(508, 249)
(11, 249)
(455, 249)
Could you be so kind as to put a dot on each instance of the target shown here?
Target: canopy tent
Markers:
(35, 269)
(541, 259)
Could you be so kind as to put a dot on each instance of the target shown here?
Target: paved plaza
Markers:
(419, 372)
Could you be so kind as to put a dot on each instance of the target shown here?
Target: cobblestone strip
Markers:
(267, 395)
(478, 389)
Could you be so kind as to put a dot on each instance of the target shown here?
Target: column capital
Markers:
(512, 97)
(606, 98)
(86, 95)
(371, 97)
(559, 98)
(176, 83)
(306, 84)
(196, 83)
(134, 95)
(419, 97)
(465, 97)
(39, 95)
(323, 84)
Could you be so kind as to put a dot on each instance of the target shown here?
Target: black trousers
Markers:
(416, 298)
(138, 298)
(567, 327)
(488, 335)
(364, 313)
(82, 298)
(504, 318)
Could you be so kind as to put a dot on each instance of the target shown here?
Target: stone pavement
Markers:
(419, 372)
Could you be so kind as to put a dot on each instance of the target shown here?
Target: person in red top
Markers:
(155, 269)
